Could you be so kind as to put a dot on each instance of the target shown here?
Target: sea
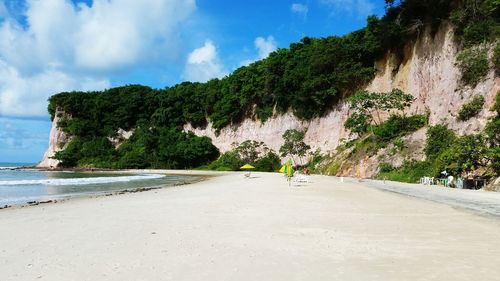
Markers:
(19, 186)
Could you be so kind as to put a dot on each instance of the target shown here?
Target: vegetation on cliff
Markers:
(471, 108)
(446, 151)
(308, 78)
(248, 152)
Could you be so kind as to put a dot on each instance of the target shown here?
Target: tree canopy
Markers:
(307, 78)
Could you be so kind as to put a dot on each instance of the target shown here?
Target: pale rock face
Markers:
(323, 133)
(432, 77)
(121, 138)
(429, 73)
(57, 142)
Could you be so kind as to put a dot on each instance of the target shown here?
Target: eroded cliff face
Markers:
(429, 73)
(58, 140)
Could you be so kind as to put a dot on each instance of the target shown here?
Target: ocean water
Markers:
(19, 187)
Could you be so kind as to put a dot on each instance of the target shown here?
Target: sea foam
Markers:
(80, 181)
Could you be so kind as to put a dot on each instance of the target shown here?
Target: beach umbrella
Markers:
(247, 167)
(282, 170)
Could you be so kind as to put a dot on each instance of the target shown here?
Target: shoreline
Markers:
(200, 177)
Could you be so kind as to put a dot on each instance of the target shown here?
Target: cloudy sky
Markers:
(49, 46)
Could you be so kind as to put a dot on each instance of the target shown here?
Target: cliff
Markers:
(428, 72)
(57, 142)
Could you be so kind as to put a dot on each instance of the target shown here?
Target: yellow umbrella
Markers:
(282, 170)
(247, 167)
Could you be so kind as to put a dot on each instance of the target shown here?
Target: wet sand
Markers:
(233, 228)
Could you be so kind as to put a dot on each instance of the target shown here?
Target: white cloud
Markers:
(264, 46)
(204, 64)
(75, 47)
(361, 8)
(300, 9)
(24, 96)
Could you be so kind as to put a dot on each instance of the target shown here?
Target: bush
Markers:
(478, 32)
(410, 171)
(271, 162)
(496, 58)
(397, 126)
(229, 161)
(357, 123)
(439, 138)
(493, 126)
(473, 63)
(399, 144)
(471, 108)
(95, 152)
(248, 152)
(385, 167)
(467, 152)
(316, 159)
(476, 21)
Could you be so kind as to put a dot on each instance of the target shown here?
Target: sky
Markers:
(50, 46)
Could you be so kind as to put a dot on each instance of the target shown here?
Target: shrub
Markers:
(476, 21)
(271, 162)
(357, 123)
(248, 152)
(473, 63)
(478, 32)
(439, 138)
(333, 168)
(399, 144)
(467, 152)
(410, 171)
(397, 126)
(385, 167)
(496, 58)
(363, 103)
(229, 161)
(493, 126)
(471, 108)
(316, 159)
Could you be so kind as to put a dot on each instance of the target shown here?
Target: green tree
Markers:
(249, 151)
(294, 145)
(439, 138)
(363, 103)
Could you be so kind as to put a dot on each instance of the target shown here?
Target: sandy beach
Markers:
(234, 228)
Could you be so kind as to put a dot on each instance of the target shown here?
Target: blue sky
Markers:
(49, 46)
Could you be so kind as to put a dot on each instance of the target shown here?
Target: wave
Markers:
(81, 181)
(8, 168)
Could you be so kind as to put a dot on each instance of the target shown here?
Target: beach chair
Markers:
(298, 177)
(427, 180)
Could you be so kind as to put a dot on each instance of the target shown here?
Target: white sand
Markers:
(232, 228)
